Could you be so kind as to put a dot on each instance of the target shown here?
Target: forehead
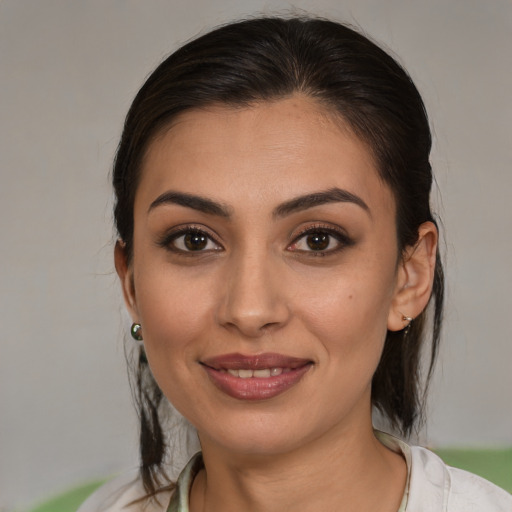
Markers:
(281, 148)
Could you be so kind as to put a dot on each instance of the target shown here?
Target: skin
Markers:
(257, 287)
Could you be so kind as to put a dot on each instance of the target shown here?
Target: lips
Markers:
(258, 377)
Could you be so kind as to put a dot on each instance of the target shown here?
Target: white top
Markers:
(432, 486)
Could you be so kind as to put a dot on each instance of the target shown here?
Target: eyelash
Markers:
(339, 235)
(168, 241)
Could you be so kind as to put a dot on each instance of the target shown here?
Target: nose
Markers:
(254, 299)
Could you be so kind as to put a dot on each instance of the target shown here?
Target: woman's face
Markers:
(264, 272)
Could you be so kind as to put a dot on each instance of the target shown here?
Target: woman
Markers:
(277, 254)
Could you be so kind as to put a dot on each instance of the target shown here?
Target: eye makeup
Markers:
(320, 240)
(189, 240)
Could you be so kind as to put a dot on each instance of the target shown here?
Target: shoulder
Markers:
(434, 486)
(470, 492)
(119, 495)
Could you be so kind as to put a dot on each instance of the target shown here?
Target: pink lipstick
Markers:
(257, 377)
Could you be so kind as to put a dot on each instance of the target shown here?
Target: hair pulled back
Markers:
(265, 59)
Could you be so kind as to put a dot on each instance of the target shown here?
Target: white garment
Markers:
(432, 487)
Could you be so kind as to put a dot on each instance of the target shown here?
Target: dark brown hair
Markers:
(270, 58)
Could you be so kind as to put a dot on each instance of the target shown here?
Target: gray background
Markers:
(69, 70)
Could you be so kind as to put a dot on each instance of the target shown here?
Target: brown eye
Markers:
(195, 241)
(318, 241)
(190, 240)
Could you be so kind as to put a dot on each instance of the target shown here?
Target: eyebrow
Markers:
(199, 203)
(297, 204)
(332, 195)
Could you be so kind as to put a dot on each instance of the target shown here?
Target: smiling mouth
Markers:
(255, 377)
(265, 373)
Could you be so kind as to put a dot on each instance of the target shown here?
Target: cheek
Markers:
(174, 309)
(348, 314)
(351, 336)
(173, 314)
(348, 304)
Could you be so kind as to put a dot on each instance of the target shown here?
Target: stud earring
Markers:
(409, 320)
(136, 332)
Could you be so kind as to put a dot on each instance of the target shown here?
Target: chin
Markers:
(259, 433)
(260, 443)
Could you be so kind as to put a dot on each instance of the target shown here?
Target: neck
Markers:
(351, 470)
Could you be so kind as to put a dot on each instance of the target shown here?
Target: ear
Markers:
(125, 273)
(415, 278)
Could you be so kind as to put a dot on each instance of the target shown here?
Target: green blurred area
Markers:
(70, 500)
(494, 465)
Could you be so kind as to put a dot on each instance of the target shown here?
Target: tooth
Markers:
(245, 374)
(233, 372)
(262, 373)
(276, 371)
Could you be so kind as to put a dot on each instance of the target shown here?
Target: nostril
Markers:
(256, 325)
(251, 302)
